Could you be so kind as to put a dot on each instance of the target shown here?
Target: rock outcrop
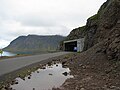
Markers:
(76, 33)
(99, 26)
(105, 26)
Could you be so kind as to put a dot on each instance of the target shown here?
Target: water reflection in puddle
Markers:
(44, 79)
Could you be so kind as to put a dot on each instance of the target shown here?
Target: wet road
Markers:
(12, 64)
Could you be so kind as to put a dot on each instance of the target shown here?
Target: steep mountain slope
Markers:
(76, 33)
(34, 43)
(105, 27)
(102, 27)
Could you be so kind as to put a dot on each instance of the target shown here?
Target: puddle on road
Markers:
(43, 79)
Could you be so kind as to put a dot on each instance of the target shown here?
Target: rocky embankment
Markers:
(92, 71)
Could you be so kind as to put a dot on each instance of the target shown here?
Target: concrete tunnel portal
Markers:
(76, 45)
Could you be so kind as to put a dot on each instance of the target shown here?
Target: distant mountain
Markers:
(34, 43)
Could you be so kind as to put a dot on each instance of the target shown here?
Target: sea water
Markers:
(5, 53)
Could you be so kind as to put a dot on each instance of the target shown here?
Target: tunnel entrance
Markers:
(71, 46)
(75, 45)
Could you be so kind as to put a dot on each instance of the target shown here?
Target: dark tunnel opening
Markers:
(71, 46)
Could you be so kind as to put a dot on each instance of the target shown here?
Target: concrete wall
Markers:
(80, 44)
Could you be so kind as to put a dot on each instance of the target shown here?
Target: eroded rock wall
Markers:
(105, 26)
(100, 25)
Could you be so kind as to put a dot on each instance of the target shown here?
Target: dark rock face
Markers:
(76, 33)
(105, 26)
(100, 25)
(112, 45)
(34, 43)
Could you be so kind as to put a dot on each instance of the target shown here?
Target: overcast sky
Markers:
(43, 17)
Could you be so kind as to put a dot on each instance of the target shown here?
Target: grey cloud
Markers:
(51, 20)
(55, 17)
(35, 20)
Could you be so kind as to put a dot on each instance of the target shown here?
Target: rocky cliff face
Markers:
(99, 26)
(105, 26)
(102, 27)
(76, 33)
